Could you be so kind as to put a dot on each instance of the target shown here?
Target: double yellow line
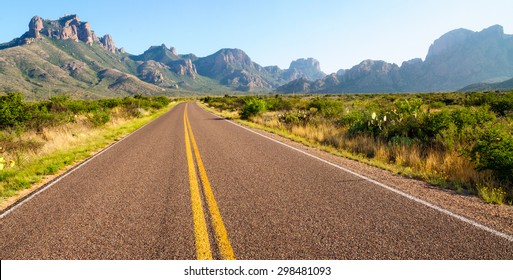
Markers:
(203, 250)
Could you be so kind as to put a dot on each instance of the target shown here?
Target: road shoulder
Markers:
(498, 217)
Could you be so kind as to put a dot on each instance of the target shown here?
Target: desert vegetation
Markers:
(41, 138)
(461, 141)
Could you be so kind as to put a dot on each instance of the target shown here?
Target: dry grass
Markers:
(55, 148)
(446, 168)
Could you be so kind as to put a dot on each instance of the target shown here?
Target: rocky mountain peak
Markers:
(224, 62)
(451, 41)
(341, 72)
(309, 63)
(376, 66)
(448, 41)
(35, 26)
(308, 68)
(159, 53)
(494, 30)
(184, 67)
(68, 27)
(173, 51)
(233, 56)
(108, 43)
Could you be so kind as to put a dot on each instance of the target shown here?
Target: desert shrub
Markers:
(110, 103)
(493, 151)
(13, 111)
(59, 103)
(433, 124)
(327, 107)
(500, 103)
(437, 105)
(277, 103)
(160, 102)
(41, 117)
(252, 107)
(351, 118)
(294, 117)
(406, 107)
(206, 99)
(77, 106)
(227, 102)
(99, 118)
(368, 123)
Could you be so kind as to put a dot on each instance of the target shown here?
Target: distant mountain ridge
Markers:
(66, 56)
(504, 85)
(455, 60)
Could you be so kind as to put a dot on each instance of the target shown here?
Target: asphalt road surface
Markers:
(194, 186)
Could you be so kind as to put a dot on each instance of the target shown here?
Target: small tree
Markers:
(252, 107)
(494, 151)
(12, 110)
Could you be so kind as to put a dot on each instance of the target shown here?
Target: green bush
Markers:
(13, 111)
(503, 104)
(433, 124)
(328, 108)
(465, 117)
(500, 103)
(294, 117)
(160, 102)
(110, 103)
(99, 117)
(277, 103)
(437, 105)
(252, 107)
(493, 151)
(405, 107)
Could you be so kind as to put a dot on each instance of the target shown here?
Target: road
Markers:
(194, 186)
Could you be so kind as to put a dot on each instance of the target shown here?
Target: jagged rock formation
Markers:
(184, 67)
(108, 43)
(35, 26)
(242, 80)
(300, 85)
(158, 53)
(234, 68)
(225, 62)
(150, 71)
(163, 66)
(304, 68)
(368, 76)
(68, 27)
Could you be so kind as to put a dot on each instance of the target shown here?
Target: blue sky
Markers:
(340, 34)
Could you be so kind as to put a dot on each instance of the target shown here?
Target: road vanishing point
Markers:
(191, 185)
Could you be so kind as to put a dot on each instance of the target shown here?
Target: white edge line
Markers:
(416, 199)
(73, 169)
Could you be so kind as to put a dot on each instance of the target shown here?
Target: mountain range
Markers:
(66, 56)
(455, 60)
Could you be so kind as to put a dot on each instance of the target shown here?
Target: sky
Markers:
(338, 33)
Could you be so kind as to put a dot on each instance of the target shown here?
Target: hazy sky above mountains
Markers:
(340, 34)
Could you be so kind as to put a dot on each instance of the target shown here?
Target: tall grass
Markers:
(66, 136)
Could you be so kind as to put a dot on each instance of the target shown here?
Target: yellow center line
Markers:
(223, 242)
(203, 251)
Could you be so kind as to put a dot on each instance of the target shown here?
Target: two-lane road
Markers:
(192, 185)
